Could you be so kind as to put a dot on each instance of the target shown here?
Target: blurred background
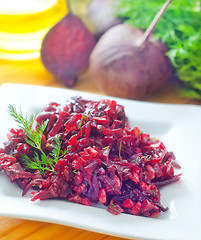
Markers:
(24, 24)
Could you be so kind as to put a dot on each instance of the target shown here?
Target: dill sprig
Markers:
(45, 163)
(114, 207)
(82, 121)
(120, 146)
(40, 161)
(34, 137)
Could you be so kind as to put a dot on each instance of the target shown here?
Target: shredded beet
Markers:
(106, 161)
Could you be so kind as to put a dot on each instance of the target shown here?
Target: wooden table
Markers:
(33, 72)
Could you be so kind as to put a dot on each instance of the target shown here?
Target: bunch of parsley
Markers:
(179, 29)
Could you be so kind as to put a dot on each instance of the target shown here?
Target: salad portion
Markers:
(85, 152)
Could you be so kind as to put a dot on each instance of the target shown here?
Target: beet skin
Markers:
(66, 49)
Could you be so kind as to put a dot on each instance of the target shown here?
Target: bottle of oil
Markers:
(23, 24)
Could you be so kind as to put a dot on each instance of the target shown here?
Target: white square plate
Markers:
(178, 126)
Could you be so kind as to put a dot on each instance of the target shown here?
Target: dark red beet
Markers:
(127, 63)
(66, 49)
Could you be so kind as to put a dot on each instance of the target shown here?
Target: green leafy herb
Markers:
(104, 163)
(56, 152)
(75, 171)
(41, 163)
(33, 138)
(148, 157)
(114, 207)
(120, 150)
(106, 147)
(136, 160)
(179, 29)
(81, 121)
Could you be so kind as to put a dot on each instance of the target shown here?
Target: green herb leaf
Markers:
(36, 163)
(56, 152)
(75, 171)
(114, 207)
(24, 123)
(106, 147)
(34, 137)
(40, 161)
(135, 160)
(81, 121)
(120, 143)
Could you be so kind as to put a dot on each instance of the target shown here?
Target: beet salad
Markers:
(85, 152)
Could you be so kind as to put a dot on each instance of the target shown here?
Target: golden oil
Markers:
(23, 24)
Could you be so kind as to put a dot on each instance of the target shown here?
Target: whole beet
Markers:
(101, 14)
(127, 63)
(66, 49)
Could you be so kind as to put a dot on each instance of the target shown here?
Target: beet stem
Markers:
(152, 26)
(69, 6)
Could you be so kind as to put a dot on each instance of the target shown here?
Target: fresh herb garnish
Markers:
(81, 121)
(40, 161)
(114, 207)
(136, 160)
(57, 153)
(106, 147)
(34, 137)
(120, 143)
(148, 157)
(104, 163)
(75, 171)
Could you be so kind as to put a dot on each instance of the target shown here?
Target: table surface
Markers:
(33, 72)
